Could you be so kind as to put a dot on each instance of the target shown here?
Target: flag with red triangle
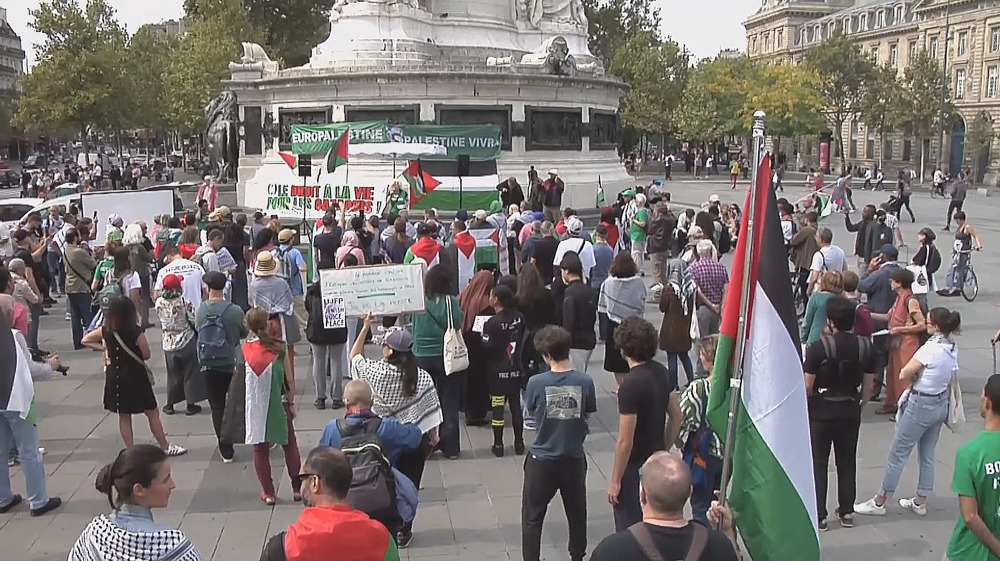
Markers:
(421, 182)
(291, 160)
(337, 156)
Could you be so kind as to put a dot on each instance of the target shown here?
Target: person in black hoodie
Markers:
(579, 311)
(863, 247)
(326, 331)
(502, 336)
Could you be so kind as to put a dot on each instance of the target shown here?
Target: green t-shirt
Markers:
(635, 232)
(977, 474)
(429, 327)
(104, 268)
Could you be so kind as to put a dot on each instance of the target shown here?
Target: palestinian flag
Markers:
(601, 200)
(490, 252)
(265, 379)
(291, 160)
(773, 495)
(465, 244)
(17, 392)
(824, 204)
(425, 248)
(337, 156)
(478, 189)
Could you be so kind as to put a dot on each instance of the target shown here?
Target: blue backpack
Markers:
(213, 339)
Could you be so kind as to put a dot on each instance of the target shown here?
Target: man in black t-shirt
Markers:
(544, 253)
(840, 376)
(646, 399)
(327, 241)
(665, 488)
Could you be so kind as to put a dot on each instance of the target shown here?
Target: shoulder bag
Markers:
(135, 357)
(456, 353)
(640, 533)
(956, 410)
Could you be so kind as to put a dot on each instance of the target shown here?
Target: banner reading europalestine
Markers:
(479, 142)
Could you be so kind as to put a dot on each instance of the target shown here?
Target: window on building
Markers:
(879, 19)
(767, 42)
(897, 15)
(818, 33)
(847, 26)
(960, 83)
(994, 39)
(912, 51)
(779, 39)
(874, 55)
(934, 47)
(831, 28)
(992, 77)
(907, 148)
(893, 55)
(802, 36)
(852, 152)
(753, 44)
(863, 23)
(870, 148)
(963, 43)
(887, 149)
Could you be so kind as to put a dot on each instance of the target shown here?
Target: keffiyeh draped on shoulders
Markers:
(103, 540)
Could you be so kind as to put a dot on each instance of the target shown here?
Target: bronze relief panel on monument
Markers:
(289, 117)
(473, 115)
(553, 129)
(605, 130)
(394, 114)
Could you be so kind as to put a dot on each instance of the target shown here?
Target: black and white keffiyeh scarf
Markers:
(103, 540)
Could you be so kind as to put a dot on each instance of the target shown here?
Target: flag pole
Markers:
(736, 381)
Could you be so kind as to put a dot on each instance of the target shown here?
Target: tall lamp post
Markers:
(944, 85)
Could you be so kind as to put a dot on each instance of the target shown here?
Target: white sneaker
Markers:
(912, 506)
(869, 508)
(175, 450)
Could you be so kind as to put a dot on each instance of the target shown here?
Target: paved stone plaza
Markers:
(470, 508)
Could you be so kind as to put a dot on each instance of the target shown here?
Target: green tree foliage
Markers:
(789, 95)
(880, 103)
(844, 73)
(79, 78)
(614, 22)
(727, 81)
(201, 60)
(656, 73)
(147, 58)
(291, 28)
(698, 117)
(978, 137)
(919, 108)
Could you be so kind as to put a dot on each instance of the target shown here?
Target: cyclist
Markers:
(966, 239)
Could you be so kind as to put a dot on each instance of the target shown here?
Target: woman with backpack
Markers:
(402, 391)
(128, 382)
(929, 258)
(701, 448)
(180, 348)
(270, 402)
(907, 325)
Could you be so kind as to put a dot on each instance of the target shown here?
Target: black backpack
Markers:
(373, 486)
(833, 369)
(725, 239)
(933, 259)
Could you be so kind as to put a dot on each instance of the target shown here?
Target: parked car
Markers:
(62, 190)
(11, 212)
(35, 162)
(9, 179)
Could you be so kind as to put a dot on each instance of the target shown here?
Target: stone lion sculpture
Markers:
(553, 56)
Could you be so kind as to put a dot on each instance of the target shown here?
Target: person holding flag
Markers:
(764, 425)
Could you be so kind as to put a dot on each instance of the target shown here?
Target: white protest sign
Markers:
(334, 313)
(384, 290)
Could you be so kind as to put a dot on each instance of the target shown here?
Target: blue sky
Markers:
(704, 27)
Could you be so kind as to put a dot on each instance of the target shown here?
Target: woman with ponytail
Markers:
(135, 483)
(923, 408)
(270, 401)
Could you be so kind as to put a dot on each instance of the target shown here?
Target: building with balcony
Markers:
(169, 29)
(893, 32)
(11, 56)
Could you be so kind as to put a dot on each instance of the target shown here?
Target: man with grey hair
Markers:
(664, 533)
(543, 254)
(827, 258)
(712, 280)
(23, 291)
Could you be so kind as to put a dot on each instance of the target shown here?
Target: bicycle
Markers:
(969, 288)
(799, 296)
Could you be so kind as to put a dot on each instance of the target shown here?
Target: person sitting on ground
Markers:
(328, 523)
(664, 533)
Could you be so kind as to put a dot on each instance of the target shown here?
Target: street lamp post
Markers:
(944, 85)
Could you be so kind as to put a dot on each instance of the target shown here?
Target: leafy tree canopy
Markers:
(656, 72)
(789, 95)
(614, 22)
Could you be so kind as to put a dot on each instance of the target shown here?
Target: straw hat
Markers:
(266, 266)
(286, 235)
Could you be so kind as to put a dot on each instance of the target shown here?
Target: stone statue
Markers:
(560, 11)
(553, 56)
(338, 6)
(221, 115)
(252, 52)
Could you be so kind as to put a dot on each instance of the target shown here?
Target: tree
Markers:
(920, 107)
(656, 73)
(698, 118)
(879, 108)
(613, 22)
(844, 73)
(728, 81)
(978, 138)
(79, 77)
(147, 59)
(201, 61)
(290, 27)
(789, 95)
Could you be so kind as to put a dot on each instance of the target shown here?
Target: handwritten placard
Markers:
(384, 290)
(480, 322)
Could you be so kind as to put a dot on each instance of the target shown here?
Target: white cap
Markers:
(553, 171)
(713, 199)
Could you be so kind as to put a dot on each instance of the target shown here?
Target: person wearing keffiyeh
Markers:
(130, 532)
(677, 304)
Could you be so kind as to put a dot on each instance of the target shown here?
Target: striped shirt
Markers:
(693, 402)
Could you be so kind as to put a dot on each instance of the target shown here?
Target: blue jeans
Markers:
(920, 426)
(56, 271)
(956, 273)
(685, 359)
(81, 313)
(628, 511)
(20, 433)
(35, 313)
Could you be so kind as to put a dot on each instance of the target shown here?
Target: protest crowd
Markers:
(503, 342)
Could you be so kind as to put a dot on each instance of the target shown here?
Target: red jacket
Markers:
(322, 530)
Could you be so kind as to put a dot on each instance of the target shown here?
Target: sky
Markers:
(706, 28)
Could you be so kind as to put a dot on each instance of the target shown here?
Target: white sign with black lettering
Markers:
(383, 290)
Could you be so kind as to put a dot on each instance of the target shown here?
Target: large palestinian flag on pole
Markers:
(17, 392)
(773, 494)
(478, 189)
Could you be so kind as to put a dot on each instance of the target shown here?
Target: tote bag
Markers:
(921, 280)
(456, 354)
(956, 410)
